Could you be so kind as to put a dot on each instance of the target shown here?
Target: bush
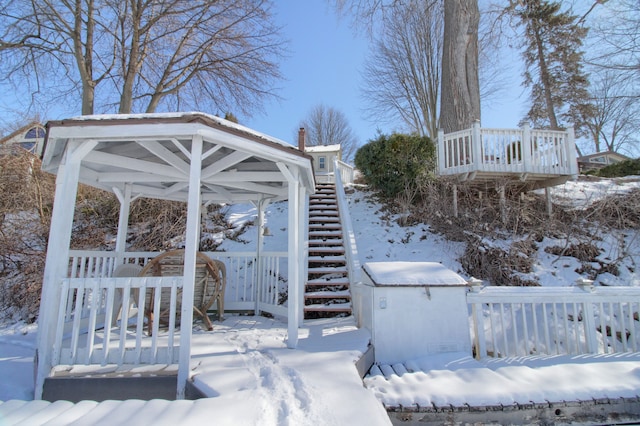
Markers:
(398, 164)
(623, 168)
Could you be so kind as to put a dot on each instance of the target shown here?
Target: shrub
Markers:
(398, 164)
(623, 168)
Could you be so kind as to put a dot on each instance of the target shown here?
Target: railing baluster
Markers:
(504, 330)
(525, 329)
(603, 329)
(556, 328)
(567, 337)
(632, 328)
(623, 328)
(496, 349)
(536, 333)
(545, 318)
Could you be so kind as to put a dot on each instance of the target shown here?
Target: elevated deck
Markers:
(528, 158)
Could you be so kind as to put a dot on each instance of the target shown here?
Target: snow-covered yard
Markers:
(253, 379)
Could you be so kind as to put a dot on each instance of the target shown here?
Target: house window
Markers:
(322, 162)
(35, 133)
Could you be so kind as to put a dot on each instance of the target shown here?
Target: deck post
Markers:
(57, 261)
(527, 147)
(441, 152)
(572, 156)
(503, 204)
(476, 145)
(192, 242)
(455, 201)
(547, 194)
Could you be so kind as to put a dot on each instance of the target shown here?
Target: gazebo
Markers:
(191, 157)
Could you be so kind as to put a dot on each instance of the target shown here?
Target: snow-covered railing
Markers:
(93, 306)
(349, 238)
(95, 326)
(520, 321)
(520, 151)
(346, 172)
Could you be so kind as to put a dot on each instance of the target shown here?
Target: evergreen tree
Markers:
(554, 64)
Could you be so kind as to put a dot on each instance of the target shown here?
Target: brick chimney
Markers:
(301, 139)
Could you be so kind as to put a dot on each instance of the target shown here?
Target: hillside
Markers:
(594, 232)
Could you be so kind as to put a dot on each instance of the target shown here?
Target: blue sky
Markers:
(324, 66)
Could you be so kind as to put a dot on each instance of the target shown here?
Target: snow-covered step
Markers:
(321, 282)
(326, 249)
(328, 294)
(328, 270)
(327, 259)
(334, 307)
(325, 226)
(324, 219)
(325, 234)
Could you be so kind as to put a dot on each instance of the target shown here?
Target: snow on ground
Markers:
(457, 379)
(244, 368)
(250, 375)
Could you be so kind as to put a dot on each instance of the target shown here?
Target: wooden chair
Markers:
(121, 271)
(209, 286)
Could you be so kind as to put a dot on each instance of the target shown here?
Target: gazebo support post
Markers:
(192, 242)
(123, 222)
(261, 206)
(57, 260)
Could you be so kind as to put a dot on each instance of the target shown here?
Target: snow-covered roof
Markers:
(322, 148)
(412, 274)
(152, 153)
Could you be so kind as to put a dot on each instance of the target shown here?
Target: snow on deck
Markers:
(247, 373)
(458, 380)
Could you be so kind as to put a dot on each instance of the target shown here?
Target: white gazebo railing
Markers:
(522, 321)
(522, 152)
(93, 329)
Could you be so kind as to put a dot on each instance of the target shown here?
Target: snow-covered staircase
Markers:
(327, 289)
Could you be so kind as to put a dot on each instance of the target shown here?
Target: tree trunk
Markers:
(83, 53)
(132, 67)
(545, 78)
(460, 101)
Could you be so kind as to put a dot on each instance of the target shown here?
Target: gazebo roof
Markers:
(151, 152)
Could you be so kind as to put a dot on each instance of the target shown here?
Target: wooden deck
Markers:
(528, 158)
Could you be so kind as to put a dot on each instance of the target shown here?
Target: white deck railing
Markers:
(517, 151)
(521, 321)
(90, 331)
(346, 172)
(349, 238)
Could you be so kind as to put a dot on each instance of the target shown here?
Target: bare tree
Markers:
(216, 55)
(460, 101)
(460, 87)
(617, 38)
(616, 122)
(329, 126)
(403, 74)
(42, 41)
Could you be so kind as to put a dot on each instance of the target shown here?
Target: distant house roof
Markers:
(600, 159)
(603, 154)
(322, 148)
(29, 137)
